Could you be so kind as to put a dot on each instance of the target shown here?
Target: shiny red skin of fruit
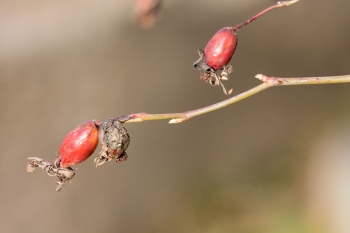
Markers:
(219, 50)
(78, 145)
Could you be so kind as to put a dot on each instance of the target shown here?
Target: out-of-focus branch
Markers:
(267, 82)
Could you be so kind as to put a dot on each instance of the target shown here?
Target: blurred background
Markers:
(276, 162)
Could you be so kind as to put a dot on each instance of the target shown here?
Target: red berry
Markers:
(78, 145)
(219, 50)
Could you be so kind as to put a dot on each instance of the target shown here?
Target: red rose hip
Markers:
(78, 145)
(217, 54)
(218, 51)
(220, 48)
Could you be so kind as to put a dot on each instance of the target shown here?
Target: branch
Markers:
(267, 82)
(278, 5)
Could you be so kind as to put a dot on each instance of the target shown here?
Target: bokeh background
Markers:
(276, 162)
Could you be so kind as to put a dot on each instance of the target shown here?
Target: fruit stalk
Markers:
(278, 5)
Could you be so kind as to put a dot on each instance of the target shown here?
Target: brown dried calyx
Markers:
(63, 175)
(205, 76)
(114, 139)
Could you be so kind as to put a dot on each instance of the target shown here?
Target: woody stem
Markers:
(267, 82)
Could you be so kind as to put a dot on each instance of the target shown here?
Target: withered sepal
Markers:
(114, 139)
(63, 175)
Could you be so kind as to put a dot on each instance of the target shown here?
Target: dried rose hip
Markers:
(114, 139)
(78, 145)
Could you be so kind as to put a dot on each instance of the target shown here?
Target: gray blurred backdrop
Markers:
(276, 162)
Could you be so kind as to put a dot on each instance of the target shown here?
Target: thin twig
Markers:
(278, 5)
(267, 82)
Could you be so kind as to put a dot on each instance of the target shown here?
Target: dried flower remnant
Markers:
(146, 12)
(77, 146)
(114, 139)
(63, 175)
